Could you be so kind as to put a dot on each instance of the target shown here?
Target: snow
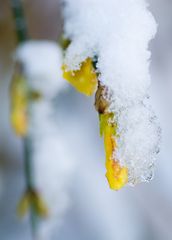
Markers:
(52, 166)
(118, 34)
(41, 61)
(41, 65)
(139, 142)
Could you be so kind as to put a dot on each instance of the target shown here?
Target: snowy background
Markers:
(94, 211)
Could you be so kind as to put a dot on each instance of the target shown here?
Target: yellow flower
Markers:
(84, 79)
(117, 175)
(32, 199)
(19, 104)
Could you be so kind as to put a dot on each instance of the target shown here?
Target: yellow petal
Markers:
(39, 205)
(84, 79)
(109, 141)
(23, 206)
(117, 175)
(105, 121)
(32, 199)
(19, 121)
(19, 104)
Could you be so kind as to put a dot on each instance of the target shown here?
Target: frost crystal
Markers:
(138, 141)
(117, 33)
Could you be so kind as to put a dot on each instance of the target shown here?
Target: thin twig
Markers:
(22, 35)
(20, 22)
(29, 179)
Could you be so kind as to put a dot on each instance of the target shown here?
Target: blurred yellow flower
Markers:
(19, 104)
(32, 199)
(84, 79)
(117, 175)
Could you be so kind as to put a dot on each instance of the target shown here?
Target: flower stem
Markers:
(20, 22)
(29, 180)
(22, 36)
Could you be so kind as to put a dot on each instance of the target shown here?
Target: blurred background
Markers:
(95, 212)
